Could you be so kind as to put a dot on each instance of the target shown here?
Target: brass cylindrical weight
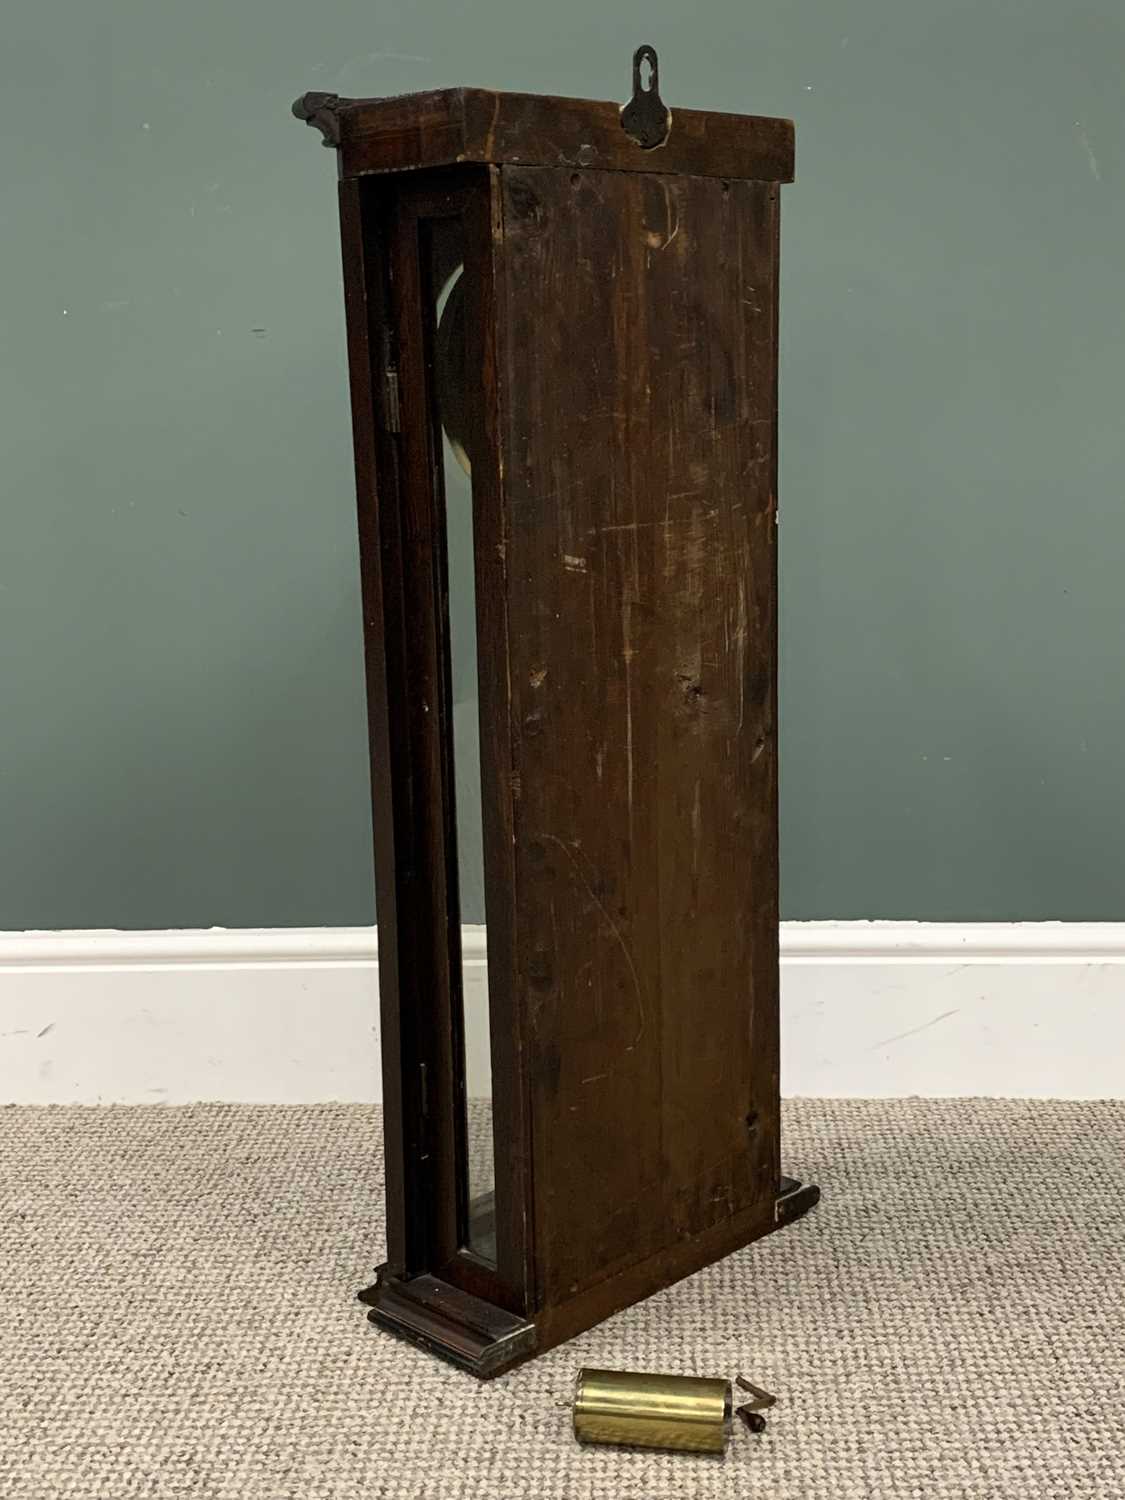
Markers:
(652, 1411)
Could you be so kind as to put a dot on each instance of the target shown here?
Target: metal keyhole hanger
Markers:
(646, 119)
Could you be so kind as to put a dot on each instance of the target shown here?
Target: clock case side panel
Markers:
(639, 401)
(431, 1289)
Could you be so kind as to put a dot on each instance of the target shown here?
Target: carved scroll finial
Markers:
(321, 110)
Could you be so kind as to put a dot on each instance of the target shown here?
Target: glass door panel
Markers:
(456, 424)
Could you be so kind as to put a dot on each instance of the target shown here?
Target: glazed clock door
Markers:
(461, 1096)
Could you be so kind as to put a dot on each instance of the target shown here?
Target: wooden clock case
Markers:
(620, 296)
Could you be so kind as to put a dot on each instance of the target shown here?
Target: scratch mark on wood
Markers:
(696, 826)
(492, 126)
(614, 929)
(661, 521)
(670, 213)
(627, 656)
(739, 639)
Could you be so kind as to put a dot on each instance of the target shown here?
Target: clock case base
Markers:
(487, 1341)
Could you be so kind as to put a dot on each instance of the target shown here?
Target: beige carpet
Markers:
(176, 1290)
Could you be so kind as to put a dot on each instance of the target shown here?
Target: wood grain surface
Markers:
(639, 401)
(449, 126)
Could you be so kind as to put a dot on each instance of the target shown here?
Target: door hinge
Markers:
(392, 406)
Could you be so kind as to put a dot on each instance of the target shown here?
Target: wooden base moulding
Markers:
(486, 1341)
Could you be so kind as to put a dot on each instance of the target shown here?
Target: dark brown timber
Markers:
(621, 324)
(642, 558)
(417, 131)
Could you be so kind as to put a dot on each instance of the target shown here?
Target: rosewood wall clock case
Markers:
(562, 343)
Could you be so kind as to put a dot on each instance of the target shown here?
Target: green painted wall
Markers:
(181, 719)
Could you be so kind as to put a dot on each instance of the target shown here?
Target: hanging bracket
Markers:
(646, 119)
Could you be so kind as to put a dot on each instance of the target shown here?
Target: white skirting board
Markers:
(869, 1009)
